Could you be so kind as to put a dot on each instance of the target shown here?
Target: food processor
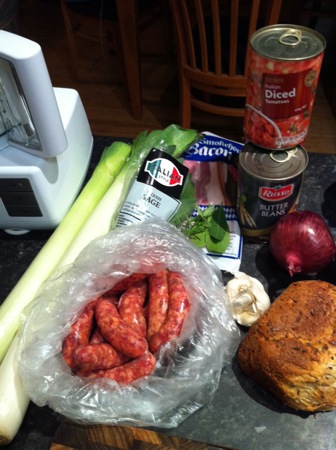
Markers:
(45, 140)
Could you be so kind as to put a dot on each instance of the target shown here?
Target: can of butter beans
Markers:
(284, 67)
(269, 185)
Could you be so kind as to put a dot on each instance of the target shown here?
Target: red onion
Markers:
(302, 242)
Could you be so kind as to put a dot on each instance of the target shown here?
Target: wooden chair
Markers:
(84, 25)
(97, 21)
(212, 39)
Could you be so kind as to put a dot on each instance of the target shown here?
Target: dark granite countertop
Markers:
(242, 415)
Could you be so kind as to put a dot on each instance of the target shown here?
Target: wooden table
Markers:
(129, 40)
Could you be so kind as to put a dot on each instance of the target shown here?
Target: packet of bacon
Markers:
(211, 163)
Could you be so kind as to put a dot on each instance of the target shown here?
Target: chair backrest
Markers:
(213, 42)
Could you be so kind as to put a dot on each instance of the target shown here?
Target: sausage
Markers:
(131, 309)
(98, 356)
(157, 302)
(121, 336)
(97, 337)
(79, 333)
(126, 373)
(178, 308)
(124, 284)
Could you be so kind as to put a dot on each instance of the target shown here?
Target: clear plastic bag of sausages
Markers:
(187, 368)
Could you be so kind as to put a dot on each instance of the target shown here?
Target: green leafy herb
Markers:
(209, 229)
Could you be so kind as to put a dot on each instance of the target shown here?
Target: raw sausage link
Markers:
(131, 371)
(79, 333)
(131, 307)
(98, 356)
(124, 284)
(97, 337)
(179, 307)
(157, 302)
(116, 332)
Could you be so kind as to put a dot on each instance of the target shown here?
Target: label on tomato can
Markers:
(284, 68)
(269, 184)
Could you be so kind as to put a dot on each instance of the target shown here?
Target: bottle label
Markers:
(156, 191)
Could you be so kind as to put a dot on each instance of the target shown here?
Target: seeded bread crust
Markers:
(291, 349)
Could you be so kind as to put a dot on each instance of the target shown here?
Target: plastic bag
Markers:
(185, 377)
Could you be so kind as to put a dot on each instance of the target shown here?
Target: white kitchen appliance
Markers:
(45, 140)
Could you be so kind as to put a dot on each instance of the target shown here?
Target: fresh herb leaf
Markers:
(217, 246)
(218, 225)
(209, 229)
(199, 239)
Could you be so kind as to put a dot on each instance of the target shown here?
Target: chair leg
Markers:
(71, 39)
(129, 41)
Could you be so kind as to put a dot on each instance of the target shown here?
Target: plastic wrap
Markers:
(186, 374)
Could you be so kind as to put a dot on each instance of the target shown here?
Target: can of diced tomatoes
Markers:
(269, 185)
(284, 67)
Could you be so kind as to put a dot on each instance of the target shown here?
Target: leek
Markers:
(13, 398)
(105, 215)
(112, 161)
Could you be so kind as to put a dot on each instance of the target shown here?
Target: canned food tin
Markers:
(269, 185)
(284, 67)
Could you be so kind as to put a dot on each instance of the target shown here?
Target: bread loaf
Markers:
(291, 349)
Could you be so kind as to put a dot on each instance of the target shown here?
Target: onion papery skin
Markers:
(301, 242)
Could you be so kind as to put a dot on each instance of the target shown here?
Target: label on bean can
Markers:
(284, 68)
(269, 185)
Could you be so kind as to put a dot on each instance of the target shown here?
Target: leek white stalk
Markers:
(112, 161)
(13, 398)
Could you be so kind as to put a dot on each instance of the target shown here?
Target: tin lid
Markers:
(287, 42)
(277, 165)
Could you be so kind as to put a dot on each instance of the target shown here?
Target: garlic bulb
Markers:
(248, 298)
